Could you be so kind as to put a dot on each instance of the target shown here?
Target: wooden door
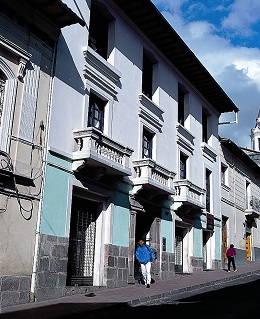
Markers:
(224, 241)
(248, 247)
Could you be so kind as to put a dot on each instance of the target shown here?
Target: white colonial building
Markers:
(133, 152)
(240, 201)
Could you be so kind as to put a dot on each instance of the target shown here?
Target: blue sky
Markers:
(225, 36)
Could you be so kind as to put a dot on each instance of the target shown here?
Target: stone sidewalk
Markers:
(131, 295)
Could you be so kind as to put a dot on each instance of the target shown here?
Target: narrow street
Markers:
(229, 302)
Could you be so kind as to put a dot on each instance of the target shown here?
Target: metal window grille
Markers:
(178, 249)
(82, 243)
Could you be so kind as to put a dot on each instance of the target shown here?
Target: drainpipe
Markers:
(47, 126)
(234, 188)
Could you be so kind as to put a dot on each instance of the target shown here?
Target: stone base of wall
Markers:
(116, 266)
(167, 265)
(217, 264)
(256, 254)
(197, 264)
(52, 267)
(14, 290)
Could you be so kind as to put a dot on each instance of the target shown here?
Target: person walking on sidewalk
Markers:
(145, 255)
(231, 253)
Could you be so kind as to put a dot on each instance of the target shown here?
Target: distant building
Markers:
(255, 135)
(254, 152)
(240, 202)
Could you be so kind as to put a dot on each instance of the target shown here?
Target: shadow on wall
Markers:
(66, 70)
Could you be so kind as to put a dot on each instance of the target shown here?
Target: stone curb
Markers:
(170, 293)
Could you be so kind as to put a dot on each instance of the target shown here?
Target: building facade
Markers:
(28, 35)
(133, 152)
(122, 143)
(240, 202)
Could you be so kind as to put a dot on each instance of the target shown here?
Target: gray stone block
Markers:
(110, 250)
(44, 263)
(123, 251)
(25, 283)
(62, 280)
(125, 275)
(111, 273)
(24, 297)
(58, 265)
(51, 238)
(121, 262)
(63, 240)
(51, 280)
(59, 251)
(45, 249)
(171, 267)
(10, 283)
(111, 261)
(40, 279)
(116, 250)
(10, 298)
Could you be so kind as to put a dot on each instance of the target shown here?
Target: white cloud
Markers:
(236, 68)
(243, 14)
(170, 6)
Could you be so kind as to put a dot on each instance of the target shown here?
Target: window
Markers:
(147, 77)
(98, 31)
(183, 166)
(258, 144)
(204, 126)
(223, 174)
(96, 112)
(147, 144)
(247, 194)
(2, 93)
(181, 100)
(208, 174)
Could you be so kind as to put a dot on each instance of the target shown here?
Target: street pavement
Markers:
(87, 305)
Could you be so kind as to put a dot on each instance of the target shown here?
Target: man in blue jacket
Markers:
(145, 255)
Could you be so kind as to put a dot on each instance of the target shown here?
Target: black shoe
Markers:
(148, 286)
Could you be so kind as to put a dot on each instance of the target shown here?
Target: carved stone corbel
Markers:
(21, 68)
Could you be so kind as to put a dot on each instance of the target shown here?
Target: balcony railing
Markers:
(100, 150)
(153, 175)
(189, 194)
(253, 209)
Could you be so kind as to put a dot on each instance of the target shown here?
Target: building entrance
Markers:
(178, 250)
(224, 240)
(82, 242)
(206, 236)
(142, 231)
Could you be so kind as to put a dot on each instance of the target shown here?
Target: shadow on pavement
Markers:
(235, 302)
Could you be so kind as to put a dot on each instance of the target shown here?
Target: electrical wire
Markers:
(22, 209)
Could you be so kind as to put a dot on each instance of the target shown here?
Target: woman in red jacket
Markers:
(231, 253)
